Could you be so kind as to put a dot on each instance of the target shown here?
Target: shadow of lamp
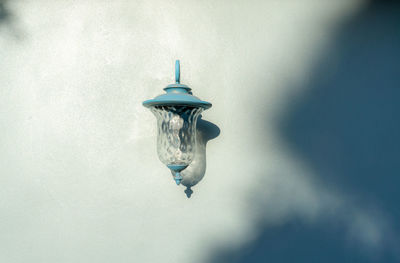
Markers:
(195, 172)
(177, 112)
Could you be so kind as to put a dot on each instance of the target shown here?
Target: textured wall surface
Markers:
(80, 178)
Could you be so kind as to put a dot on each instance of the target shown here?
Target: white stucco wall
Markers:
(80, 178)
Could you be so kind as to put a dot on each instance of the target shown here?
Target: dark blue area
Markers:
(299, 242)
(345, 126)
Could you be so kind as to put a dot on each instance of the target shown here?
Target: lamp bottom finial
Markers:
(178, 178)
(176, 168)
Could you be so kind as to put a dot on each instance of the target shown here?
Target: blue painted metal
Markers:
(178, 178)
(177, 169)
(177, 94)
(177, 72)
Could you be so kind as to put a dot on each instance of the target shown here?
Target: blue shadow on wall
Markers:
(346, 127)
(9, 21)
(4, 12)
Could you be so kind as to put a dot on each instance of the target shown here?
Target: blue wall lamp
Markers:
(176, 111)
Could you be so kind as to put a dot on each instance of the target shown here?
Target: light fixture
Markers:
(176, 112)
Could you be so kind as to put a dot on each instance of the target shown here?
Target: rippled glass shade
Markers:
(176, 140)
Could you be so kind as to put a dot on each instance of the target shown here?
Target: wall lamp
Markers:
(176, 111)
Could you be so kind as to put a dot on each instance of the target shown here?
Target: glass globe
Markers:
(176, 136)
